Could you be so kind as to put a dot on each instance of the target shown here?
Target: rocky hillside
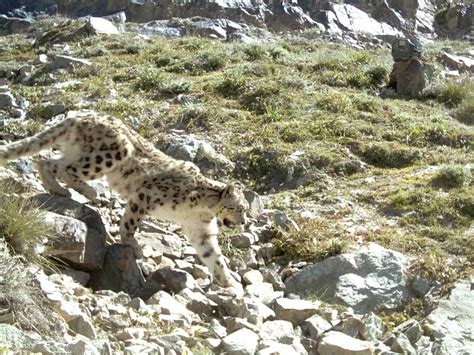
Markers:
(362, 201)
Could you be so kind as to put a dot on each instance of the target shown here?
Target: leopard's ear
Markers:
(228, 190)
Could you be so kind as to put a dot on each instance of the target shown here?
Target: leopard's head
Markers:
(232, 207)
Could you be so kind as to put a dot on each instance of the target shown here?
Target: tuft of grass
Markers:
(452, 92)
(465, 111)
(21, 301)
(390, 155)
(150, 79)
(22, 227)
(315, 240)
(451, 177)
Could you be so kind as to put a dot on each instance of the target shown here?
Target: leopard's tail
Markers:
(33, 145)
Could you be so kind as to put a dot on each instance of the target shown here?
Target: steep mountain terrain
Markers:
(362, 200)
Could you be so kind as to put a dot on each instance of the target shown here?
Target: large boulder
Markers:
(345, 17)
(370, 279)
(409, 77)
(80, 230)
(119, 273)
(451, 324)
(454, 21)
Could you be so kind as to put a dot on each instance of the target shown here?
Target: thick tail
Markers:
(33, 145)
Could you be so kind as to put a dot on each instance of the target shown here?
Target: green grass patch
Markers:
(315, 240)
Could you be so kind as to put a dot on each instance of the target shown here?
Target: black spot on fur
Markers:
(141, 196)
(125, 152)
(208, 253)
(85, 172)
(86, 166)
(142, 211)
(108, 164)
(132, 221)
(98, 169)
(108, 156)
(134, 208)
(118, 156)
(127, 227)
(114, 146)
(98, 159)
(103, 147)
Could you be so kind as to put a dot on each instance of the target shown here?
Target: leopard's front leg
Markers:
(131, 219)
(202, 234)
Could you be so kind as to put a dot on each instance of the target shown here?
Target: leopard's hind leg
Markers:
(48, 170)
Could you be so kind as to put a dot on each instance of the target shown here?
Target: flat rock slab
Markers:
(452, 322)
(370, 279)
(337, 343)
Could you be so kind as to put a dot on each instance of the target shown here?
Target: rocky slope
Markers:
(361, 240)
(385, 19)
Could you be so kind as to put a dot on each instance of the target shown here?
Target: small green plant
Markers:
(22, 227)
(255, 52)
(451, 177)
(315, 240)
(149, 79)
(453, 92)
(390, 155)
(465, 111)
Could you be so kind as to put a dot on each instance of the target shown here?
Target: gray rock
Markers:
(81, 345)
(197, 302)
(96, 234)
(170, 245)
(68, 63)
(316, 325)
(255, 203)
(241, 342)
(235, 323)
(172, 280)
(275, 348)
(13, 25)
(217, 329)
(7, 100)
(411, 329)
(295, 311)
(457, 62)
(82, 325)
(243, 240)
(71, 240)
(367, 280)
(264, 292)
(420, 285)
(409, 77)
(252, 277)
(51, 109)
(120, 272)
(13, 338)
(349, 18)
(452, 322)
(273, 278)
(254, 311)
(338, 343)
(373, 327)
(401, 344)
(101, 26)
(170, 306)
(280, 331)
(351, 326)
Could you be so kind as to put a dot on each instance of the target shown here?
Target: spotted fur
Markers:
(150, 181)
